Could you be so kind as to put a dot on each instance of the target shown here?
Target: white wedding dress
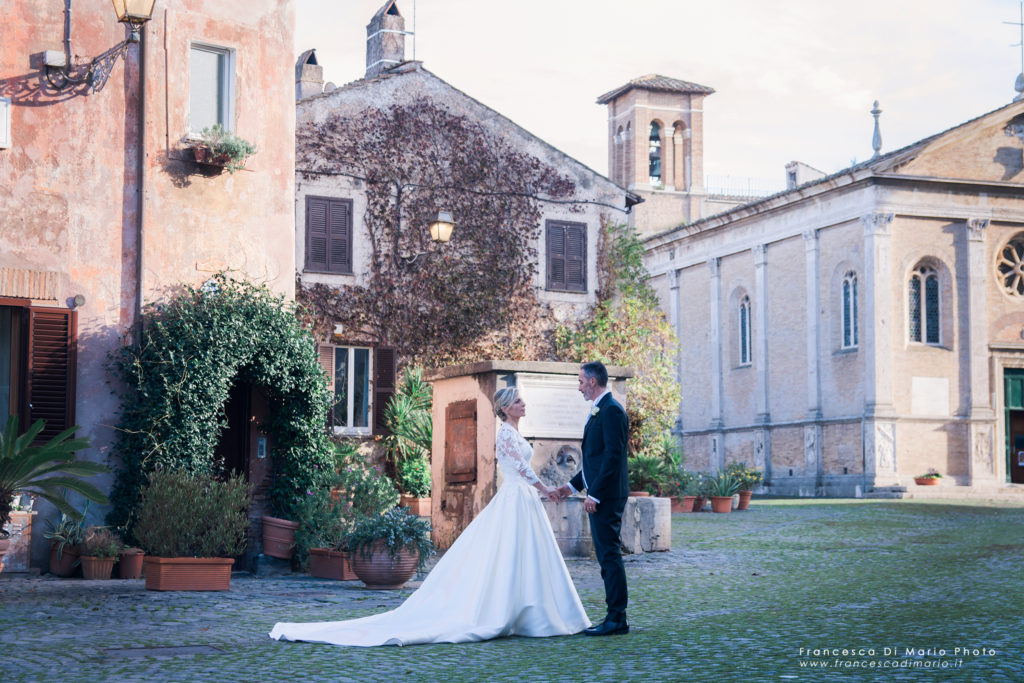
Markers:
(503, 576)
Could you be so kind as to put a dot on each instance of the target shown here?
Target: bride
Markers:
(503, 576)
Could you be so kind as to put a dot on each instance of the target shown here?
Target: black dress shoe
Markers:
(607, 628)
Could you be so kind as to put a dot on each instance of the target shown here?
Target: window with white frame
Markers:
(849, 310)
(744, 330)
(352, 388)
(923, 305)
(211, 87)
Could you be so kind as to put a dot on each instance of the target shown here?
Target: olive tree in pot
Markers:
(191, 527)
(387, 549)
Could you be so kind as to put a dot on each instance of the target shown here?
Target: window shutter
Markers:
(575, 258)
(325, 355)
(316, 234)
(340, 237)
(556, 256)
(384, 367)
(51, 369)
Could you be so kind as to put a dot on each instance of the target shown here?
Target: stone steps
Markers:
(1004, 492)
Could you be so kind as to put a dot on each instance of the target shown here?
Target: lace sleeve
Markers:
(510, 448)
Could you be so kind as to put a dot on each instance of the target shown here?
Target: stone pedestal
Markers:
(647, 525)
(17, 557)
(571, 526)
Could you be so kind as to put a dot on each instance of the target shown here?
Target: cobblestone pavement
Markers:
(912, 591)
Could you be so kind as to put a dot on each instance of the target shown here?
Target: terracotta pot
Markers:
(926, 481)
(698, 503)
(97, 567)
(188, 573)
(721, 503)
(744, 500)
(331, 564)
(129, 565)
(279, 537)
(417, 506)
(379, 571)
(65, 564)
(639, 494)
(682, 503)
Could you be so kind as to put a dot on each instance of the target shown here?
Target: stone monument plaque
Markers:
(555, 409)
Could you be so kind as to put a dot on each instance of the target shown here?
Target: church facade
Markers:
(863, 328)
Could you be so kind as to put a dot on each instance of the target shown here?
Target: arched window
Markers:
(744, 330)
(850, 333)
(654, 154)
(924, 305)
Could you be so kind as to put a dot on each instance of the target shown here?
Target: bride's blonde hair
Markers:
(503, 398)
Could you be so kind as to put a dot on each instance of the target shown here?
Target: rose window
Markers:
(1010, 267)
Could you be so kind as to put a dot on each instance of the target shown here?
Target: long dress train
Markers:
(503, 576)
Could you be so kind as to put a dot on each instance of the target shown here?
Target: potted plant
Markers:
(45, 470)
(687, 485)
(66, 538)
(100, 549)
(191, 527)
(721, 489)
(748, 479)
(279, 537)
(218, 147)
(387, 549)
(129, 563)
(410, 425)
(932, 478)
(703, 487)
(645, 472)
(414, 482)
(326, 522)
(327, 519)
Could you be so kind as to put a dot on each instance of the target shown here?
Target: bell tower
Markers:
(656, 148)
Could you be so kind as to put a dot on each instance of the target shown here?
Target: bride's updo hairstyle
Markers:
(503, 398)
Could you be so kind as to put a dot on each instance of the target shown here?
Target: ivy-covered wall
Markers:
(178, 378)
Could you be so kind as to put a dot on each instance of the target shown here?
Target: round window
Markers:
(1010, 266)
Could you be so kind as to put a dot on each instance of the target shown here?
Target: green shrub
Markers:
(414, 477)
(368, 491)
(323, 523)
(186, 515)
(397, 529)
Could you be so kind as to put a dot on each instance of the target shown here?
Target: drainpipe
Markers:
(140, 185)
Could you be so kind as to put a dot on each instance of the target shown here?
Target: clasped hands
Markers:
(557, 495)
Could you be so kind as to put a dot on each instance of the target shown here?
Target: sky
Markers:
(794, 79)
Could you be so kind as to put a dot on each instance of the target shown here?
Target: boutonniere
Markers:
(594, 411)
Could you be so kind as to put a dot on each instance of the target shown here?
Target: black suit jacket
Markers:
(604, 446)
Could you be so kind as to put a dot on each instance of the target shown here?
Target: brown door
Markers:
(1016, 469)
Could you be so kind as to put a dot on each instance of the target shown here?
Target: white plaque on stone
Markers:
(555, 409)
(929, 396)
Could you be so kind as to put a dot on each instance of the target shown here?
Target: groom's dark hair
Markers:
(598, 371)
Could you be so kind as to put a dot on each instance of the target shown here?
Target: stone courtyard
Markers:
(805, 590)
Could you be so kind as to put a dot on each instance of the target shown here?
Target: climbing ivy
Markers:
(178, 377)
(472, 298)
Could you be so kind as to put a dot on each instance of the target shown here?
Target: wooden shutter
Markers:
(316, 234)
(339, 222)
(325, 354)
(384, 370)
(460, 442)
(576, 257)
(51, 369)
(556, 256)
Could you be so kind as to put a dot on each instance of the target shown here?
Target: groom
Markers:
(606, 481)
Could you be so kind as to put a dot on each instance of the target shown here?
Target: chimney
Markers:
(309, 76)
(385, 40)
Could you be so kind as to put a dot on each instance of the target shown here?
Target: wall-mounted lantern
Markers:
(441, 228)
(135, 13)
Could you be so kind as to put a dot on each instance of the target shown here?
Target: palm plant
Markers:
(44, 470)
(409, 420)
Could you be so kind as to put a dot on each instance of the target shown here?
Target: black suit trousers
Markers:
(605, 527)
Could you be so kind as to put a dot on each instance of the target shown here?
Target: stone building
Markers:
(103, 207)
(391, 79)
(864, 327)
(656, 149)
